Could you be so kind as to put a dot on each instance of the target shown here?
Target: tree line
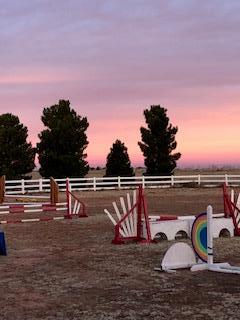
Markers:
(62, 145)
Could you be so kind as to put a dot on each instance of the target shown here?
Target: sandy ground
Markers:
(70, 270)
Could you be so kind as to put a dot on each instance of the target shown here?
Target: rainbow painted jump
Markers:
(200, 255)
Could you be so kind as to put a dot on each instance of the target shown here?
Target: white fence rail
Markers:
(108, 183)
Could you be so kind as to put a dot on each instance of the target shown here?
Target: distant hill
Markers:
(180, 172)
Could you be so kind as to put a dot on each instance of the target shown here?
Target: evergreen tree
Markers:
(158, 142)
(62, 144)
(16, 155)
(118, 163)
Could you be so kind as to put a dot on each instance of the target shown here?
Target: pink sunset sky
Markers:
(114, 58)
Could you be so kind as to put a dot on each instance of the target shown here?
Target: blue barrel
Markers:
(3, 250)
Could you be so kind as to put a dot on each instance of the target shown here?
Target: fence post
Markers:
(143, 182)
(23, 186)
(172, 180)
(199, 179)
(119, 182)
(226, 179)
(40, 185)
(94, 184)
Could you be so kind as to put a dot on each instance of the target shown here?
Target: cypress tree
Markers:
(16, 154)
(158, 142)
(118, 162)
(62, 144)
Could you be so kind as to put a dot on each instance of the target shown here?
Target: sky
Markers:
(115, 58)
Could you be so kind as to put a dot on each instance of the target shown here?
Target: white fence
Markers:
(94, 184)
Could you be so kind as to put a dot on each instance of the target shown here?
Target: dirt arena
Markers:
(70, 270)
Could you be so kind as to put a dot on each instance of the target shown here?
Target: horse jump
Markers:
(200, 255)
(73, 207)
(53, 198)
(129, 225)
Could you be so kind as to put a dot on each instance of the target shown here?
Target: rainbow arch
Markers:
(199, 236)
